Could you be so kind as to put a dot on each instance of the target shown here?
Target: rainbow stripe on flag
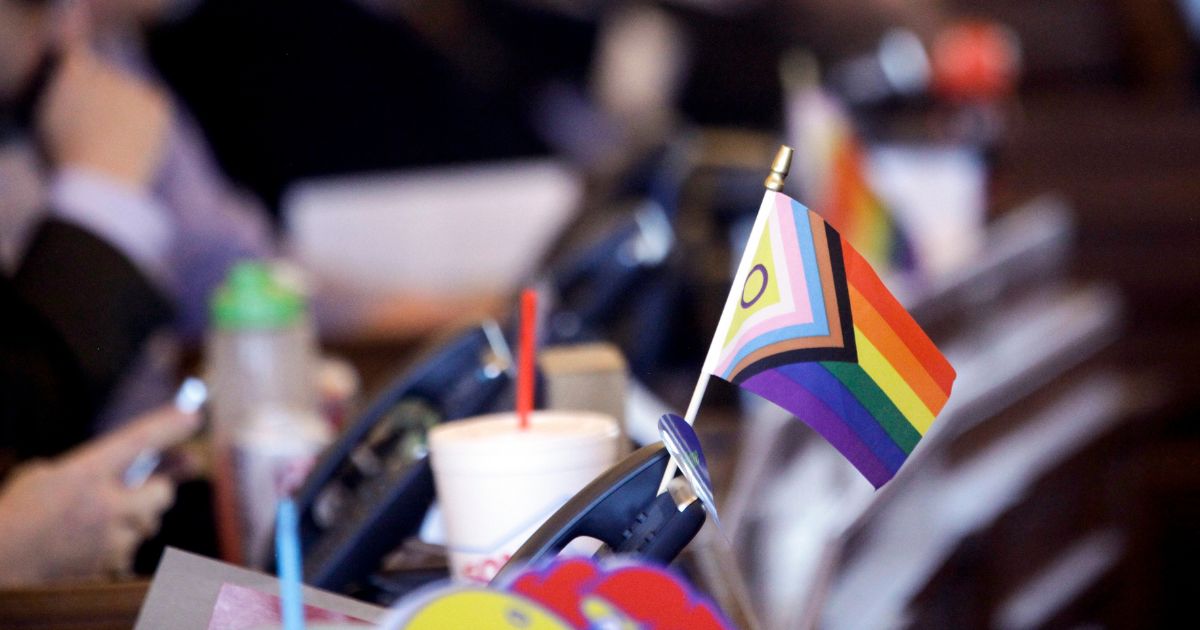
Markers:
(815, 331)
(833, 172)
(860, 214)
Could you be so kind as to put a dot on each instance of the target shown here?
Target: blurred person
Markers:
(88, 292)
(123, 172)
(216, 223)
(211, 223)
(74, 517)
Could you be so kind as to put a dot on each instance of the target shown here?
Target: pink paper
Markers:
(242, 608)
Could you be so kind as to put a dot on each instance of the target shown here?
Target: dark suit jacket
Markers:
(294, 89)
(72, 319)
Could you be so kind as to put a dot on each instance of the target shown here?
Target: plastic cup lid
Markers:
(497, 442)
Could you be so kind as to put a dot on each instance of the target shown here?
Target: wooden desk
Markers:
(73, 606)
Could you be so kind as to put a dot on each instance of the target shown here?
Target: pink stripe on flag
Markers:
(791, 251)
(803, 311)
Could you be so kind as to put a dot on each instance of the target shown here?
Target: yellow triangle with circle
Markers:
(760, 288)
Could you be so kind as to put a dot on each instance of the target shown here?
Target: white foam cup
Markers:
(497, 483)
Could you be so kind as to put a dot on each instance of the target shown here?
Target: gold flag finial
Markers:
(779, 169)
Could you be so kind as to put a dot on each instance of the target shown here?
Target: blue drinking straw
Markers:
(287, 557)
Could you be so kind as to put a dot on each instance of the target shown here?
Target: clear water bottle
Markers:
(267, 428)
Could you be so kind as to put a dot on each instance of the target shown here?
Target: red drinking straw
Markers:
(525, 373)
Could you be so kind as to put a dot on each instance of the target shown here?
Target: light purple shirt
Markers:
(125, 217)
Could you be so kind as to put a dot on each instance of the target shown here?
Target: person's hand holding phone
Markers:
(75, 517)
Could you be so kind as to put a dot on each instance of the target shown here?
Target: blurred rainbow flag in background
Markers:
(832, 166)
(809, 326)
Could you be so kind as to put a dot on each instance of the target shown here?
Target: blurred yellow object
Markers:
(480, 608)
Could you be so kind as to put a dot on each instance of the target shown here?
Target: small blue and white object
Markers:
(683, 444)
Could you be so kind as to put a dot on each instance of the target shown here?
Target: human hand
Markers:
(73, 517)
(98, 117)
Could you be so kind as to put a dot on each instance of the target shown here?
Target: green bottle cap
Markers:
(252, 299)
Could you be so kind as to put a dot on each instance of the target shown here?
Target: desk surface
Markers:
(78, 606)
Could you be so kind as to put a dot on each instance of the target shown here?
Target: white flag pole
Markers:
(773, 183)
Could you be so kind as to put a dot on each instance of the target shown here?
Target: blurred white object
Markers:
(916, 535)
(939, 195)
(191, 395)
(640, 66)
(1065, 578)
(448, 231)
